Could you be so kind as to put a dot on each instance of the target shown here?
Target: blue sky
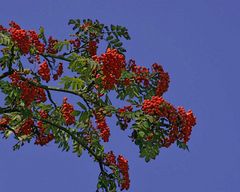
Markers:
(198, 43)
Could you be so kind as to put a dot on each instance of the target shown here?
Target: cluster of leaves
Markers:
(96, 31)
(88, 128)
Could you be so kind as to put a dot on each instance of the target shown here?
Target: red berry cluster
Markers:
(51, 44)
(92, 48)
(43, 114)
(123, 120)
(76, 43)
(155, 106)
(20, 36)
(85, 26)
(163, 82)
(112, 65)
(141, 73)
(102, 126)
(59, 72)
(159, 107)
(125, 109)
(42, 138)
(122, 164)
(35, 41)
(26, 127)
(127, 81)
(44, 71)
(188, 120)
(29, 93)
(67, 110)
(25, 39)
(2, 28)
(180, 122)
(111, 158)
(4, 121)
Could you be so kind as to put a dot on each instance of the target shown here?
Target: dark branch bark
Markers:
(60, 57)
(50, 98)
(5, 75)
(47, 88)
(7, 110)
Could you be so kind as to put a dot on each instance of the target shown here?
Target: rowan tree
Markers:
(87, 67)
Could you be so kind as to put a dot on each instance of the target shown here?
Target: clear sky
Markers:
(198, 43)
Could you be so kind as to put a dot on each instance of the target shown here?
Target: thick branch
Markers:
(61, 90)
(54, 88)
(61, 57)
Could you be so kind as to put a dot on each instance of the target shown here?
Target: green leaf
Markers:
(71, 21)
(182, 145)
(113, 27)
(121, 50)
(110, 37)
(84, 116)
(75, 83)
(135, 91)
(82, 106)
(146, 124)
(76, 113)
(141, 133)
(114, 41)
(77, 149)
(4, 39)
(118, 44)
(150, 118)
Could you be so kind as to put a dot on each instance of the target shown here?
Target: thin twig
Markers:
(50, 98)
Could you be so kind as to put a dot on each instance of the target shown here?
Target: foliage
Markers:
(30, 61)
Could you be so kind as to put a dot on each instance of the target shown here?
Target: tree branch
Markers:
(101, 163)
(5, 74)
(74, 137)
(47, 88)
(50, 98)
(61, 57)
(7, 110)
